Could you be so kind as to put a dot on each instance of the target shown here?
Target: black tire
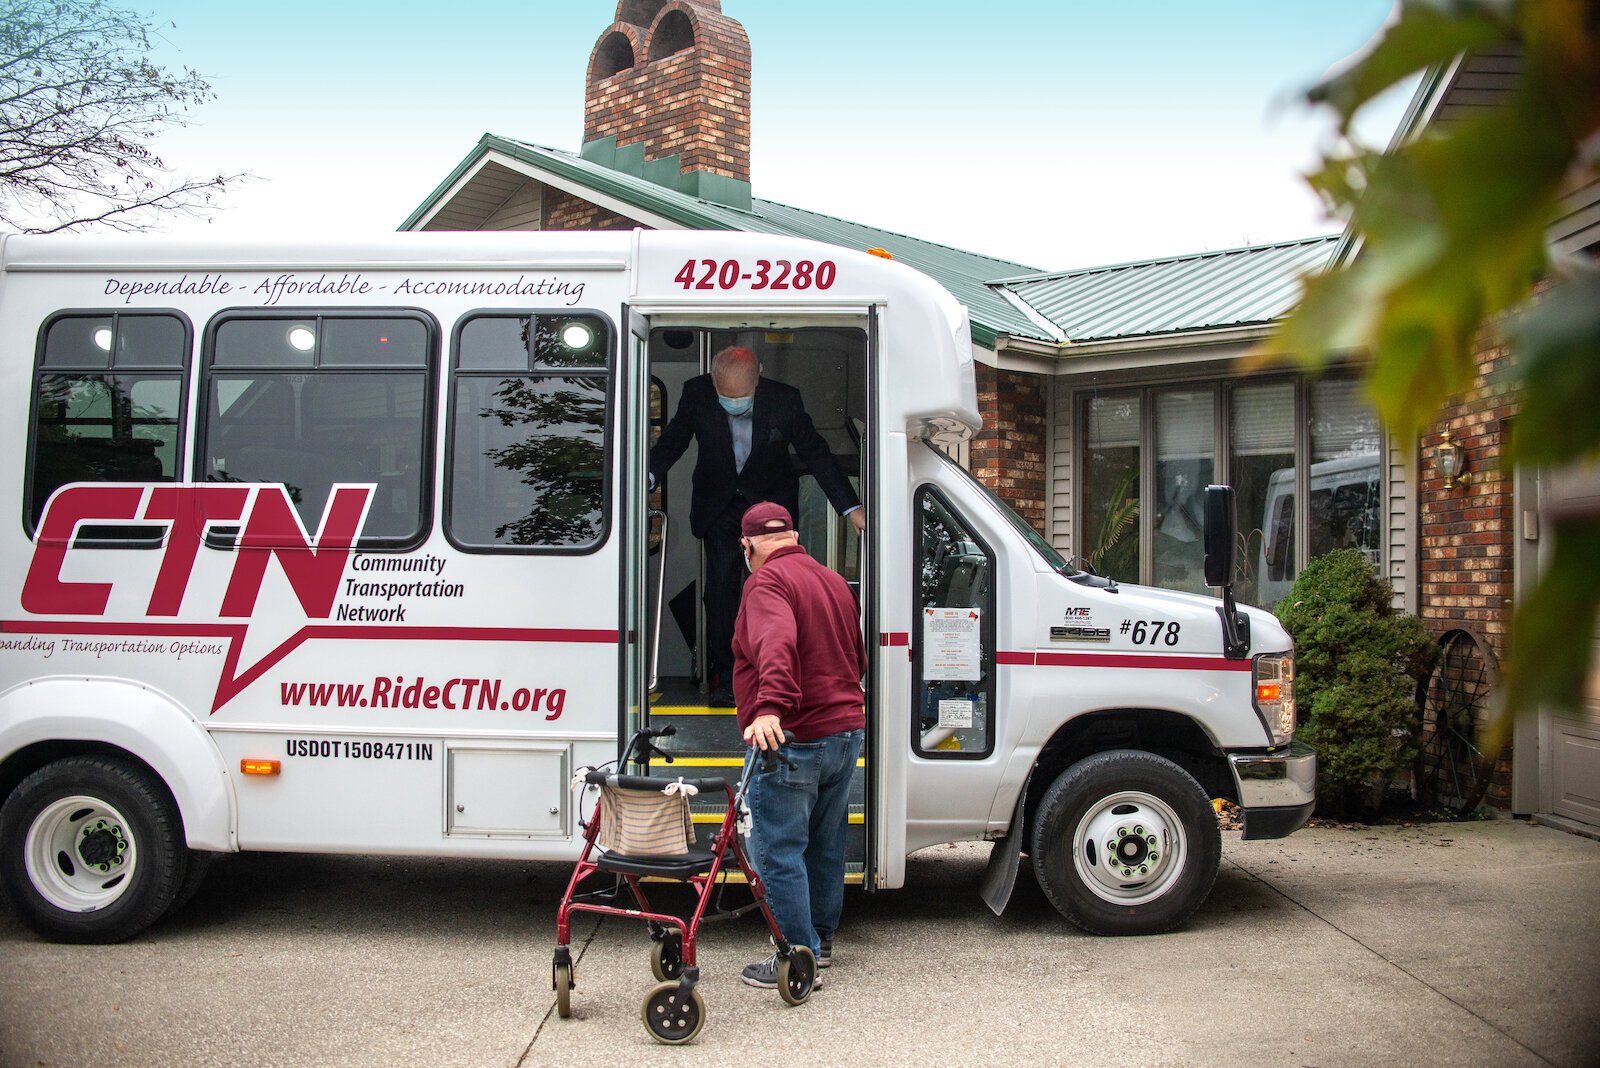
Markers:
(1102, 875)
(797, 975)
(194, 876)
(671, 1018)
(82, 818)
(666, 956)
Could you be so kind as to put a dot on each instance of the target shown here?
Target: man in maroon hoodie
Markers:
(798, 661)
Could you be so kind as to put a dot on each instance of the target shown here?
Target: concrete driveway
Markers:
(1462, 944)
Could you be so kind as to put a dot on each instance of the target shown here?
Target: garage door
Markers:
(1574, 735)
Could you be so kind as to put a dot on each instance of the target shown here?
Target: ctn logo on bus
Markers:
(270, 527)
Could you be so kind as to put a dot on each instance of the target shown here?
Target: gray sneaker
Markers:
(825, 954)
(764, 975)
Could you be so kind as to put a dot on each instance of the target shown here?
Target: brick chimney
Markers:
(668, 98)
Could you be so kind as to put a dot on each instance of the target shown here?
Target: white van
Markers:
(348, 548)
(1343, 501)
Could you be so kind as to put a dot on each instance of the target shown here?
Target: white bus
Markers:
(348, 548)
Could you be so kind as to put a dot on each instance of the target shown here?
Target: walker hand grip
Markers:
(770, 757)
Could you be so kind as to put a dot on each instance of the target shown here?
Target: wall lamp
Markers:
(1451, 460)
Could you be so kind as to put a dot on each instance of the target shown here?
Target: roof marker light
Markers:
(881, 253)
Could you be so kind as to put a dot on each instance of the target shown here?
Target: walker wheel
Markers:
(666, 956)
(797, 974)
(562, 979)
(671, 1018)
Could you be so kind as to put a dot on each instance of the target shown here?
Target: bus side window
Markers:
(310, 400)
(953, 649)
(108, 402)
(528, 432)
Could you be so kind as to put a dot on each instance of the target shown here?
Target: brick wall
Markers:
(1008, 455)
(1466, 533)
(563, 211)
(693, 103)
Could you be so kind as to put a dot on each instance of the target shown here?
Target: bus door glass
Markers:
(637, 631)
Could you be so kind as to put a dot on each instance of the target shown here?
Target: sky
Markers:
(1055, 134)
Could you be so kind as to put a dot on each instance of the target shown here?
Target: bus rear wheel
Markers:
(1125, 842)
(91, 850)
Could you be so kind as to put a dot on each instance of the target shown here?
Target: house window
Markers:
(1304, 457)
(1108, 533)
(1185, 442)
(1261, 468)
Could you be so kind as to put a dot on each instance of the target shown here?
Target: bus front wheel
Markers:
(91, 850)
(1125, 842)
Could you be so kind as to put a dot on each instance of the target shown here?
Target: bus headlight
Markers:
(1274, 695)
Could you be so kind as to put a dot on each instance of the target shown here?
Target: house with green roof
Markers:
(1111, 394)
(1102, 389)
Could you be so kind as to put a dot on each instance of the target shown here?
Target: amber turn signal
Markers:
(259, 767)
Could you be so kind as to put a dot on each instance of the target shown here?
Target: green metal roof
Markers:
(965, 274)
(1204, 291)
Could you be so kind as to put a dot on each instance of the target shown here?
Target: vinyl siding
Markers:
(1400, 523)
(1578, 225)
(521, 210)
(1058, 520)
(478, 201)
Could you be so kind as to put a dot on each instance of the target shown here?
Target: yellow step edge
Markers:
(689, 710)
(856, 818)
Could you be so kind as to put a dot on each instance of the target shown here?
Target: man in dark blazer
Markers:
(745, 425)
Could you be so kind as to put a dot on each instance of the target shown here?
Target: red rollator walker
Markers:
(641, 828)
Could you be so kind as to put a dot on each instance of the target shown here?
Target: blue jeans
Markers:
(799, 820)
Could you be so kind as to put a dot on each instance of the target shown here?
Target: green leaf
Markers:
(1425, 35)
(1552, 635)
(1557, 341)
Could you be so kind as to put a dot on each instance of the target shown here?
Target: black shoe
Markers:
(722, 698)
(825, 953)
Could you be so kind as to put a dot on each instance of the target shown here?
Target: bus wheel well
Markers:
(31, 758)
(1167, 734)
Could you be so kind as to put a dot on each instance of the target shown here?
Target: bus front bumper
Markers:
(1277, 789)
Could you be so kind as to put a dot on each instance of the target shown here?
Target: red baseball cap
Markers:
(765, 518)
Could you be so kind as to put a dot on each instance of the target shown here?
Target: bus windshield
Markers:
(1053, 559)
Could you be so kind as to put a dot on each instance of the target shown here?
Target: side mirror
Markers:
(1219, 535)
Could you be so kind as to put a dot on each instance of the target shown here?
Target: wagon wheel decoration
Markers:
(1453, 770)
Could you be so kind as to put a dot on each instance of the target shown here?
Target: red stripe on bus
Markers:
(894, 637)
(233, 682)
(1138, 660)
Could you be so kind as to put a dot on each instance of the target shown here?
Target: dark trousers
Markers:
(725, 575)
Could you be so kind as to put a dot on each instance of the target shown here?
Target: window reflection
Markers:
(108, 403)
(528, 430)
(1111, 486)
(530, 461)
(1185, 465)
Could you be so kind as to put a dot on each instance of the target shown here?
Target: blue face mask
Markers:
(737, 405)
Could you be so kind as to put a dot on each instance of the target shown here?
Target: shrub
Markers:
(1357, 663)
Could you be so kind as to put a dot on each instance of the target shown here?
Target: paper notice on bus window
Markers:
(957, 714)
(950, 644)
